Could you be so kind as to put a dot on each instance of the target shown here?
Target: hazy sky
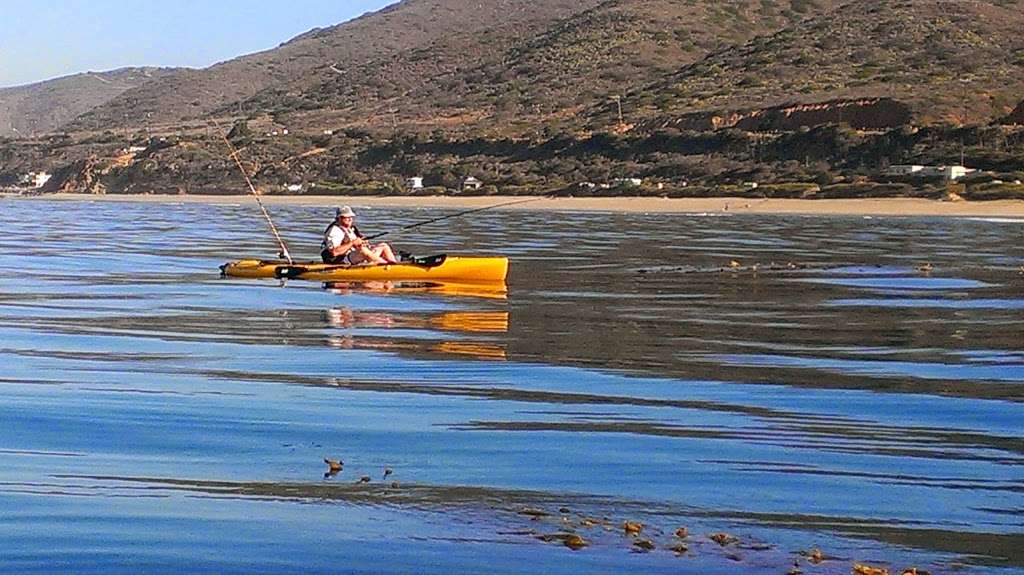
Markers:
(52, 38)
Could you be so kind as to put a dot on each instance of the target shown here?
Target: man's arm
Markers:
(344, 247)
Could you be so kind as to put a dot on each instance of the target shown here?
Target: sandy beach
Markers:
(854, 207)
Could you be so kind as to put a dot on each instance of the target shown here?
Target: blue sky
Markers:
(52, 38)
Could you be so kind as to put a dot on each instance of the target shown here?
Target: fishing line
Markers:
(467, 212)
(255, 194)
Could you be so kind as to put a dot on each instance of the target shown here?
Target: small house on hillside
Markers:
(472, 183)
(415, 183)
(904, 170)
(629, 182)
(952, 172)
(35, 179)
(946, 172)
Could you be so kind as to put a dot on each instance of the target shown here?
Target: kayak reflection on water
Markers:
(346, 318)
(472, 349)
(495, 290)
(347, 288)
(452, 321)
(467, 322)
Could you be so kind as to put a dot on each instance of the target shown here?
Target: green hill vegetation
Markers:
(954, 62)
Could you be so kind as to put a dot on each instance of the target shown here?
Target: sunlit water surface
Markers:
(843, 395)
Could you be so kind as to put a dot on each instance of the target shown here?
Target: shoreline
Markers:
(723, 205)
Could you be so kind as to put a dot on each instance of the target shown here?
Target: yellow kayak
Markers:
(443, 268)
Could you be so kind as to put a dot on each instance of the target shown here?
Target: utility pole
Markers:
(618, 102)
(963, 118)
(394, 119)
(963, 115)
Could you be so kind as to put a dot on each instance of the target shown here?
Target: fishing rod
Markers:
(467, 212)
(255, 194)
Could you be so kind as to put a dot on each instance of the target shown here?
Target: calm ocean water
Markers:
(843, 395)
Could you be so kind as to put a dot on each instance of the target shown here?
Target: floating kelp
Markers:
(736, 267)
(632, 527)
(334, 467)
(724, 539)
(859, 569)
(643, 545)
(530, 512)
(510, 510)
(571, 540)
(679, 548)
(814, 556)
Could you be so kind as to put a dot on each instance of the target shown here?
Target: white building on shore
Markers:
(628, 182)
(35, 179)
(947, 172)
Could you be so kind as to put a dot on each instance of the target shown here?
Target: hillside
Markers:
(432, 37)
(603, 52)
(44, 106)
(452, 63)
(515, 76)
(799, 96)
(955, 62)
(519, 67)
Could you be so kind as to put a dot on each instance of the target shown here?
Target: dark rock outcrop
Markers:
(863, 113)
(1016, 116)
(81, 177)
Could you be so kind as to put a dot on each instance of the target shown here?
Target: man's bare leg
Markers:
(384, 250)
(368, 255)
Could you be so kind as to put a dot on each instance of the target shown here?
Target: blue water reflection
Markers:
(158, 417)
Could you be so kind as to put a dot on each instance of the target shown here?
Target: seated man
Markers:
(343, 244)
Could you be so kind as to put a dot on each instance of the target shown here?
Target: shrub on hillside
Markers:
(865, 190)
(993, 191)
(788, 190)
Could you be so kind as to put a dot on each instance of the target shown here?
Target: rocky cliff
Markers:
(862, 113)
(81, 177)
(1017, 116)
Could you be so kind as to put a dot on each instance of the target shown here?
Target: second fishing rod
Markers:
(456, 215)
